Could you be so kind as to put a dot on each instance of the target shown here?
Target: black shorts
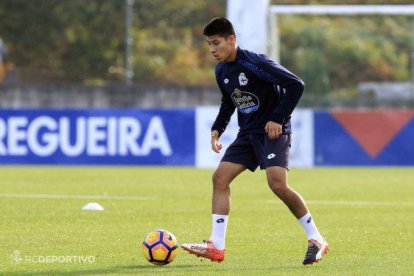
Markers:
(253, 150)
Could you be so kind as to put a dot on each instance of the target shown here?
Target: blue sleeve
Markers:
(226, 108)
(293, 86)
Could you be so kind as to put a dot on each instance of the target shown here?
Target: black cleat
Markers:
(315, 251)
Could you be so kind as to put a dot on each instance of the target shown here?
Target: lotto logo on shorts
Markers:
(271, 156)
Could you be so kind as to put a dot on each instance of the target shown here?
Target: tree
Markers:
(80, 41)
(333, 53)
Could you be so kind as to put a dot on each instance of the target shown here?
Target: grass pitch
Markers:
(366, 215)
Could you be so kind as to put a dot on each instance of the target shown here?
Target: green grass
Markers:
(366, 214)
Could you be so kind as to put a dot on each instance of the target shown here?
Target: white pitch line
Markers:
(57, 196)
(352, 203)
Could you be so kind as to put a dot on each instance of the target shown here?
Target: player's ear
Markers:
(231, 39)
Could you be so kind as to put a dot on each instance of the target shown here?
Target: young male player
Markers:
(265, 94)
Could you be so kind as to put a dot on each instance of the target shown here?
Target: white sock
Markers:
(310, 228)
(218, 233)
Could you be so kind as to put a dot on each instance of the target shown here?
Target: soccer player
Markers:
(265, 94)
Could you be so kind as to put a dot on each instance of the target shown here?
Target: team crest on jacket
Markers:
(245, 102)
(242, 79)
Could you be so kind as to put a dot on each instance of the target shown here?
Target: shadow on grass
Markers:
(151, 269)
(121, 270)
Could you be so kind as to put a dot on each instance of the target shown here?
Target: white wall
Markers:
(249, 18)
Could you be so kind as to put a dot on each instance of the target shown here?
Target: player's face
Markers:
(222, 49)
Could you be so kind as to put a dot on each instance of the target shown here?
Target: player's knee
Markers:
(278, 187)
(219, 181)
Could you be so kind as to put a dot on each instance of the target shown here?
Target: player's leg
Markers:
(277, 179)
(238, 156)
(221, 200)
(277, 153)
(214, 248)
(222, 177)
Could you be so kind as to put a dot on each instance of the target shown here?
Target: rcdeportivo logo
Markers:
(245, 102)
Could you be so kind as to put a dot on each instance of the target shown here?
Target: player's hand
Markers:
(273, 130)
(215, 145)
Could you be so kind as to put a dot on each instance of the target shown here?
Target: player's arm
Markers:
(292, 85)
(293, 89)
(223, 117)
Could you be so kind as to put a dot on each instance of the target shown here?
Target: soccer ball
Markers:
(160, 247)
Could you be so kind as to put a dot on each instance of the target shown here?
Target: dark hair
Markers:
(219, 26)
